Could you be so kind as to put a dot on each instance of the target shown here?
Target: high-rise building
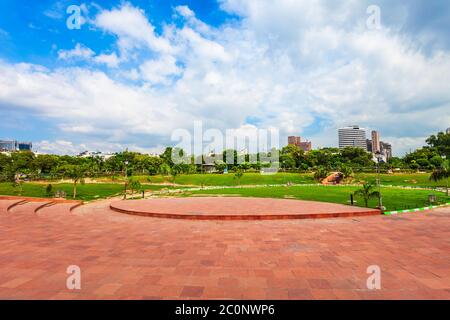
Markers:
(306, 146)
(352, 136)
(369, 145)
(24, 146)
(8, 145)
(13, 145)
(297, 141)
(386, 150)
(375, 142)
(447, 131)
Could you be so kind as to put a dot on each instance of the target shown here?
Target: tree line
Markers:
(291, 158)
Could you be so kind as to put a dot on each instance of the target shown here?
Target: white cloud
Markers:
(132, 28)
(301, 66)
(111, 60)
(159, 71)
(79, 52)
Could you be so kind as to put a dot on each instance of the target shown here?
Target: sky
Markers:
(137, 71)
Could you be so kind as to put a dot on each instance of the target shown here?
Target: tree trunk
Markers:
(74, 190)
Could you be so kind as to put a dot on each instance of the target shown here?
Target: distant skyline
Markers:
(137, 70)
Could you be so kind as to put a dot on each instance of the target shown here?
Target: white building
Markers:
(352, 136)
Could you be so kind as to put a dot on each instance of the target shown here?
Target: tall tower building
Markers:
(352, 136)
(376, 142)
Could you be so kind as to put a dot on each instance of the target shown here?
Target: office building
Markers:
(375, 142)
(352, 136)
(24, 146)
(386, 150)
(13, 145)
(369, 145)
(297, 141)
(294, 141)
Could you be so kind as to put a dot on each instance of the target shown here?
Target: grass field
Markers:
(393, 198)
(415, 179)
(85, 192)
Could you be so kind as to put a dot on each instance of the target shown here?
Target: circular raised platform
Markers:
(236, 208)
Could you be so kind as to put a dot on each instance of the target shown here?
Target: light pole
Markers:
(126, 179)
(379, 156)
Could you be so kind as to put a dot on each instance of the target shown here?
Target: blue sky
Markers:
(138, 70)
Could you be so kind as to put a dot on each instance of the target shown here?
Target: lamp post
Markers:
(126, 179)
(379, 156)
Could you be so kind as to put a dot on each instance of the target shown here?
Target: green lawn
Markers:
(399, 179)
(229, 180)
(84, 191)
(393, 198)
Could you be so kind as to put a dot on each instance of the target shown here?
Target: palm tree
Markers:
(441, 173)
(367, 192)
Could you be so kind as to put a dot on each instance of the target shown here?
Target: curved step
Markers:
(6, 205)
(55, 208)
(27, 208)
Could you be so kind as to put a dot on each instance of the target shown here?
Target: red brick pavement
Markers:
(131, 257)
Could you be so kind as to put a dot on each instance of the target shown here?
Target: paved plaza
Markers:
(131, 257)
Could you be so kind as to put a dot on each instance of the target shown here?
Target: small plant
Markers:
(238, 175)
(49, 190)
(346, 171)
(320, 174)
(134, 185)
(442, 173)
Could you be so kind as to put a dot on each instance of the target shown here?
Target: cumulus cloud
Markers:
(305, 67)
(132, 28)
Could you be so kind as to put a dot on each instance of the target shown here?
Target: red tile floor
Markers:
(132, 257)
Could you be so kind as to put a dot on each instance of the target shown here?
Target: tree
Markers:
(441, 143)
(367, 192)
(220, 166)
(441, 173)
(346, 171)
(76, 173)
